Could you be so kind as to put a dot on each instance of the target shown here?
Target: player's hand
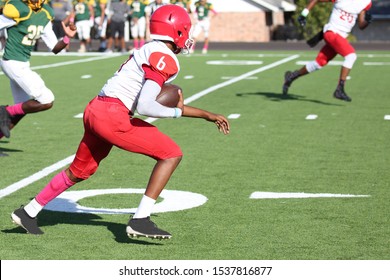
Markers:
(70, 30)
(302, 20)
(180, 104)
(368, 17)
(221, 122)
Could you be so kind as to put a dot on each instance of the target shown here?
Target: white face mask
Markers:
(188, 46)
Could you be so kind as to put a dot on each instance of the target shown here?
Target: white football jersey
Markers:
(127, 82)
(344, 15)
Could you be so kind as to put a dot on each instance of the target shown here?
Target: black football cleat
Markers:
(144, 227)
(288, 79)
(5, 121)
(21, 218)
(340, 94)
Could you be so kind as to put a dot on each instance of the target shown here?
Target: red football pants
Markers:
(107, 123)
(335, 44)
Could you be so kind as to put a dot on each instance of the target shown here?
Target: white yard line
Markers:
(234, 80)
(376, 63)
(60, 164)
(275, 195)
(35, 177)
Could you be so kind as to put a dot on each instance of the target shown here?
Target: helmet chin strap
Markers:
(177, 50)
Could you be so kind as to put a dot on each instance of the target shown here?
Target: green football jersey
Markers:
(138, 9)
(182, 3)
(30, 25)
(203, 10)
(96, 7)
(82, 11)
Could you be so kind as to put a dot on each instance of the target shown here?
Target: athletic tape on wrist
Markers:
(305, 12)
(177, 113)
(66, 40)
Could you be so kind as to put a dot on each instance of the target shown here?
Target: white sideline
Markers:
(60, 164)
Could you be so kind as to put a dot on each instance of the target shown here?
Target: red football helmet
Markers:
(172, 23)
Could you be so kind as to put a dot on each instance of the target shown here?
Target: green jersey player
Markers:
(203, 12)
(100, 22)
(26, 21)
(3, 35)
(186, 4)
(138, 22)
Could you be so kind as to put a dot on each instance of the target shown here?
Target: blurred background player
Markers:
(204, 11)
(118, 13)
(149, 10)
(343, 18)
(138, 22)
(152, 7)
(100, 22)
(134, 87)
(186, 4)
(27, 21)
(3, 32)
(84, 19)
(62, 12)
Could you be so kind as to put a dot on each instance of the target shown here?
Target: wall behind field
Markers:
(243, 27)
(239, 21)
(378, 30)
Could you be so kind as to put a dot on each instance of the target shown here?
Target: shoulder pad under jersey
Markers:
(16, 9)
(49, 11)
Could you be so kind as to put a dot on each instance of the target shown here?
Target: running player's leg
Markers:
(342, 47)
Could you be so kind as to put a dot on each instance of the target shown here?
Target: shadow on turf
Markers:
(279, 97)
(50, 218)
(4, 151)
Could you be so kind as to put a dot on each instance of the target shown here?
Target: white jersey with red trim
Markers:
(154, 61)
(344, 15)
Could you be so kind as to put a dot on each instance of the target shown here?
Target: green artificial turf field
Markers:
(279, 187)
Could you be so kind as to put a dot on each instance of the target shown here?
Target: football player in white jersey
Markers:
(343, 18)
(108, 121)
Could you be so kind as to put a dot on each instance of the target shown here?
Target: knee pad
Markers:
(349, 60)
(46, 96)
(81, 170)
(38, 90)
(313, 66)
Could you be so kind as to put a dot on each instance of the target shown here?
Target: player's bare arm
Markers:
(220, 121)
(70, 31)
(364, 19)
(102, 16)
(305, 12)
(187, 111)
(312, 3)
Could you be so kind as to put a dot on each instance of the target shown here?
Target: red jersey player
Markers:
(108, 122)
(343, 18)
